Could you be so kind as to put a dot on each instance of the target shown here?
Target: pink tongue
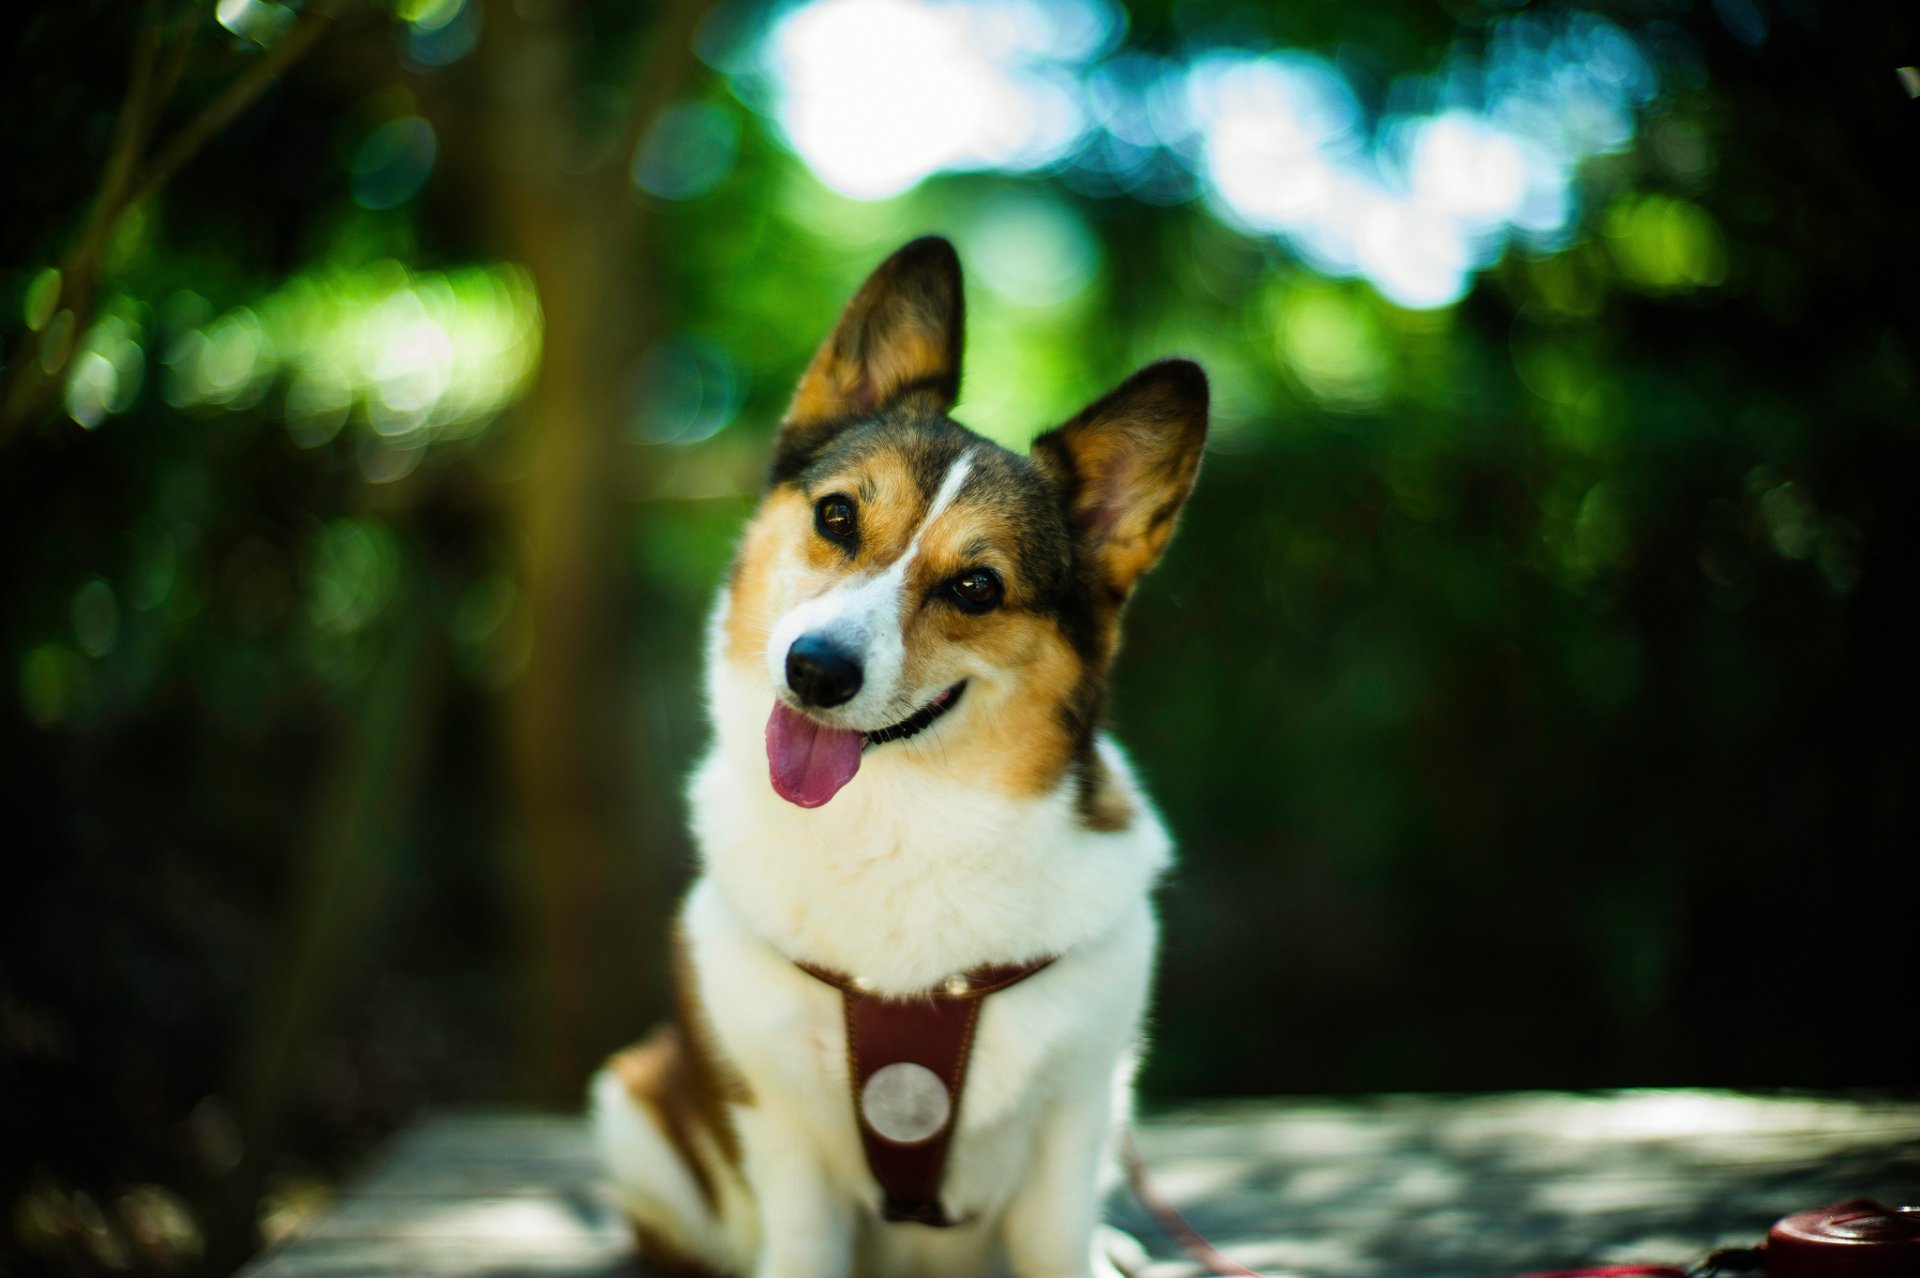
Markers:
(809, 763)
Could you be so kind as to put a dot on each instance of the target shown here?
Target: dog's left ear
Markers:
(1126, 465)
(900, 335)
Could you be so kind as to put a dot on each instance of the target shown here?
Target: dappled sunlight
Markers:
(410, 357)
(1503, 1183)
(1202, 1177)
(508, 1221)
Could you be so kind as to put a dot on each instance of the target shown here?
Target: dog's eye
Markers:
(833, 516)
(977, 589)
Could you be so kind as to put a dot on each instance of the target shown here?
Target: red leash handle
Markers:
(1168, 1217)
(1209, 1257)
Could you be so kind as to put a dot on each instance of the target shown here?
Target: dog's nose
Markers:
(821, 673)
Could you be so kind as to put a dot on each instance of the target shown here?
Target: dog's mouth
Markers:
(810, 762)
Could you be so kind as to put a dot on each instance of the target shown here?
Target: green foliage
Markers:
(1528, 686)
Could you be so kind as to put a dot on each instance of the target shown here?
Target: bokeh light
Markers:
(1662, 244)
(393, 163)
(439, 33)
(412, 357)
(1415, 198)
(107, 370)
(1032, 249)
(257, 21)
(879, 94)
(41, 298)
(685, 391)
(688, 151)
(355, 572)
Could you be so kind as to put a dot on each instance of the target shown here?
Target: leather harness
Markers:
(906, 1066)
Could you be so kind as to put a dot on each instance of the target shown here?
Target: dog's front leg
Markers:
(1050, 1225)
(806, 1229)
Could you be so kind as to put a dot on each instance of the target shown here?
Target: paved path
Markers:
(1389, 1187)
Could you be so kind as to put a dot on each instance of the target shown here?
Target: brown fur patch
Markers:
(1017, 739)
(836, 386)
(769, 554)
(678, 1074)
(715, 1083)
(664, 1258)
(656, 1076)
(1101, 804)
(887, 508)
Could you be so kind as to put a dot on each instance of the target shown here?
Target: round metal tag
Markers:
(905, 1103)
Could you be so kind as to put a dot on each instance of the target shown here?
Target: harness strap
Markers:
(906, 1066)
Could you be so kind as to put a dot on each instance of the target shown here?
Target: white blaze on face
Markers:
(865, 617)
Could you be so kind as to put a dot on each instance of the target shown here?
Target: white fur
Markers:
(907, 876)
(652, 1182)
(865, 615)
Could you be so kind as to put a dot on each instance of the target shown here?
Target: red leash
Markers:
(1209, 1257)
(1168, 1217)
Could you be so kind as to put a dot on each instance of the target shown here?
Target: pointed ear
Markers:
(1125, 466)
(900, 335)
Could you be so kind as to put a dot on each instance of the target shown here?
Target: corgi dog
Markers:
(909, 810)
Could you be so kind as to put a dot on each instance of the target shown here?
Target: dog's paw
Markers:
(1118, 1254)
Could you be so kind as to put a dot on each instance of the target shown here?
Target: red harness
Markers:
(907, 1066)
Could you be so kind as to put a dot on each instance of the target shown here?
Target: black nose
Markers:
(821, 673)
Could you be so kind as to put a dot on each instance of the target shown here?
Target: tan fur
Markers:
(901, 330)
(713, 1082)
(662, 1257)
(889, 508)
(835, 387)
(782, 561)
(678, 1075)
(656, 1076)
(1020, 745)
(767, 552)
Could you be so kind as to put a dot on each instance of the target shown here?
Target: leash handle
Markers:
(1209, 1257)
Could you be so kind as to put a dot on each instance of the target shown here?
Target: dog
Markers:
(908, 811)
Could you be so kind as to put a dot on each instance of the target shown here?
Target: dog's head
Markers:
(911, 591)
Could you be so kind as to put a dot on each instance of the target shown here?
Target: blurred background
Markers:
(385, 386)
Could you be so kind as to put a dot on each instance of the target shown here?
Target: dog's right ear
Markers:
(1125, 466)
(900, 335)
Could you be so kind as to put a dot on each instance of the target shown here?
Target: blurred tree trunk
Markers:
(592, 903)
(340, 882)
